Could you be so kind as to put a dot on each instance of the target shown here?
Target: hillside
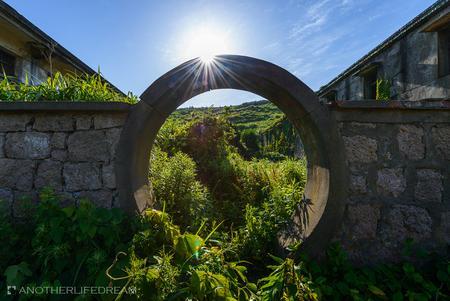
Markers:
(261, 128)
(256, 115)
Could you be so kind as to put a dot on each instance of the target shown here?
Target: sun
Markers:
(206, 42)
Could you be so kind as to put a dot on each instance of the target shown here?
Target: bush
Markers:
(67, 87)
(336, 279)
(149, 258)
(177, 189)
(57, 246)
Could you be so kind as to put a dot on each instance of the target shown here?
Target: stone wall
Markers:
(397, 154)
(69, 147)
(399, 181)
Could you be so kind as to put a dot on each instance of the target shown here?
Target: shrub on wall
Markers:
(59, 87)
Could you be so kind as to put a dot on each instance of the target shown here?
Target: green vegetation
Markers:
(260, 128)
(67, 87)
(256, 115)
(383, 91)
(150, 258)
(227, 181)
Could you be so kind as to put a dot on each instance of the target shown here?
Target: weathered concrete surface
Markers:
(409, 60)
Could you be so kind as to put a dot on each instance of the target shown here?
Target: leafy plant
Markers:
(383, 89)
(176, 187)
(62, 246)
(59, 87)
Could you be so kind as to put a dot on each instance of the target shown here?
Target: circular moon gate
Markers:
(325, 190)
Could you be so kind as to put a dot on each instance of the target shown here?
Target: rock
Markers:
(58, 141)
(364, 220)
(84, 122)
(14, 122)
(429, 186)
(358, 184)
(404, 222)
(101, 198)
(410, 142)
(16, 174)
(81, 176)
(88, 146)
(27, 145)
(109, 178)
(105, 121)
(360, 149)
(391, 181)
(441, 140)
(53, 123)
(49, 175)
(59, 155)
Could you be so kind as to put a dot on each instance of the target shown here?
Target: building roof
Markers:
(10, 13)
(419, 20)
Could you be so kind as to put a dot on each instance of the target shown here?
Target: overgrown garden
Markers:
(226, 183)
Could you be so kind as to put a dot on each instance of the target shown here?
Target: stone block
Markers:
(14, 122)
(16, 174)
(58, 141)
(84, 122)
(53, 123)
(429, 186)
(88, 146)
(49, 174)
(81, 176)
(101, 198)
(441, 140)
(358, 184)
(360, 149)
(59, 155)
(27, 145)
(109, 178)
(364, 220)
(391, 181)
(410, 142)
(404, 222)
(113, 137)
(66, 199)
(105, 121)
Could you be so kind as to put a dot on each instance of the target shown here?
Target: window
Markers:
(330, 96)
(7, 64)
(370, 82)
(444, 51)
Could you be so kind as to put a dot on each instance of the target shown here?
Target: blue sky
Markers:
(135, 42)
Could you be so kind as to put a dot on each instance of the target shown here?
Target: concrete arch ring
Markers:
(326, 186)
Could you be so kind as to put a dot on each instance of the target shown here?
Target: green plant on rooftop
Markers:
(63, 87)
